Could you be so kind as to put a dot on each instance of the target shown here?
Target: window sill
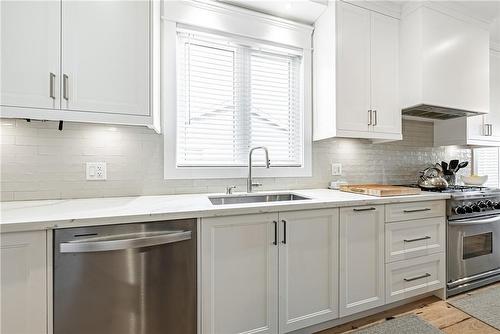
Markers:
(172, 172)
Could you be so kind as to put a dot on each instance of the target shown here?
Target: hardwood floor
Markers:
(435, 311)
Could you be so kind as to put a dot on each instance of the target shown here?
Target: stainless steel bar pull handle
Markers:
(369, 117)
(52, 81)
(275, 242)
(416, 277)
(375, 118)
(284, 231)
(65, 87)
(417, 239)
(124, 241)
(488, 129)
(364, 209)
(475, 221)
(416, 210)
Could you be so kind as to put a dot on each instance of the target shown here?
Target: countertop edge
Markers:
(214, 211)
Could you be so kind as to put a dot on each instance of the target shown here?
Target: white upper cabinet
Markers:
(444, 60)
(308, 276)
(84, 61)
(364, 76)
(481, 130)
(353, 68)
(385, 74)
(105, 61)
(361, 259)
(30, 49)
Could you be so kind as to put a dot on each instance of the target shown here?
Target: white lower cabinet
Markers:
(405, 279)
(361, 258)
(269, 273)
(308, 268)
(239, 281)
(23, 283)
(414, 238)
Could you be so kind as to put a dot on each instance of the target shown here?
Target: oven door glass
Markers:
(473, 247)
(477, 245)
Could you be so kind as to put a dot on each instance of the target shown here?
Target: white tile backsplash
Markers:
(40, 162)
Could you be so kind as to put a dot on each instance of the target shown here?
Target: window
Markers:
(233, 79)
(232, 96)
(486, 162)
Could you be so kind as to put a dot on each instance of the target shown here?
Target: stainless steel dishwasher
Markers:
(126, 279)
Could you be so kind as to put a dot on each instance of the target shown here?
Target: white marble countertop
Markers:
(50, 214)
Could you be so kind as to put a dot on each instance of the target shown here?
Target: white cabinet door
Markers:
(23, 282)
(30, 48)
(361, 259)
(493, 118)
(476, 129)
(308, 258)
(239, 274)
(384, 74)
(105, 63)
(353, 67)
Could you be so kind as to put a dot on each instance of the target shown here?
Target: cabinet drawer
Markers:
(415, 210)
(414, 238)
(410, 278)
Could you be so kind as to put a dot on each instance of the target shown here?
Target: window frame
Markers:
(263, 27)
(475, 164)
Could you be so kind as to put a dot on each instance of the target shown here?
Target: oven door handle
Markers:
(124, 241)
(475, 221)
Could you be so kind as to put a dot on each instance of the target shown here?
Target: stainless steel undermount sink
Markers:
(255, 198)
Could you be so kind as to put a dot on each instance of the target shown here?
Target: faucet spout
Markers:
(250, 183)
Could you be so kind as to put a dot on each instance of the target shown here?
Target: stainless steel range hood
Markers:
(438, 113)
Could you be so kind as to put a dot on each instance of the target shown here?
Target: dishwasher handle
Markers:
(124, 241)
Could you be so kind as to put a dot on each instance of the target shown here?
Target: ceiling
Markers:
(303, 11)
(307, 11)
(484, 10)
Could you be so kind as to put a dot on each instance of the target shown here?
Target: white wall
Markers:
(40, 162)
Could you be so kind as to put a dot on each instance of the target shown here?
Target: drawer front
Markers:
(414, 238)
(414, 210)
(405, 279)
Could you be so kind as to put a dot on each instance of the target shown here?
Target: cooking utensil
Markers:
(461, 165)
(453, 164)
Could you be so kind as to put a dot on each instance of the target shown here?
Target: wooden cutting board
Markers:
(379, 190)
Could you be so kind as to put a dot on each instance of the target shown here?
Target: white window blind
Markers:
(233, 95)
(486, 162)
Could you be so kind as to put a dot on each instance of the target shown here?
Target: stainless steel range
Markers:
(473, 238)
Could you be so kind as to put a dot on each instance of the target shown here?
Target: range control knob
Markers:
(459, 210)
(497, 205)
(468, 209)
(482, 205)
(475, 207)
(489, 203)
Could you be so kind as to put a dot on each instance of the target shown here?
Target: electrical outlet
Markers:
(336, 169)
(96, 171)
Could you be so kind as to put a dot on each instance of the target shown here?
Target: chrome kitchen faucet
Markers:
(250, 183)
